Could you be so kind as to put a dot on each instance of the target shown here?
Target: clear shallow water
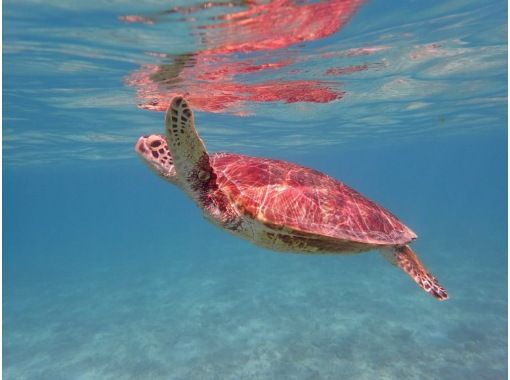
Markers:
(111, 273)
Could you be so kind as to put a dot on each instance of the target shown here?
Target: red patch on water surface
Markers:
(219, 96)
(209, 78)
(278, 24)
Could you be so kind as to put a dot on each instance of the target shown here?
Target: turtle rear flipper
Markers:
(404, 258)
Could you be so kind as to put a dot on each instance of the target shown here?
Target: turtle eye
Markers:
(203, 175)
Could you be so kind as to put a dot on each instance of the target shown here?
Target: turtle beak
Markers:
(140, 146)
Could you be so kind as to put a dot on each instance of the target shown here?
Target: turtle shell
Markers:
(281, 194)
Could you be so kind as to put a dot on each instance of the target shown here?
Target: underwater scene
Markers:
(111, 270)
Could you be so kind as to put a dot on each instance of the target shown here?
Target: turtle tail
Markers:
(404, 258)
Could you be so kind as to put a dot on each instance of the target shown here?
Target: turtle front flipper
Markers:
(193, 167)
(405, 259)
(189, 155)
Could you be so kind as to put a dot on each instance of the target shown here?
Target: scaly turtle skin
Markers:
(277, 204)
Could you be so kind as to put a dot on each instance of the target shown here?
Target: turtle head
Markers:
(154, 152)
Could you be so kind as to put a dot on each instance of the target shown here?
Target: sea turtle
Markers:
(277, 204)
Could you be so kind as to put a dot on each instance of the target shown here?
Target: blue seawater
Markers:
(111, 273)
